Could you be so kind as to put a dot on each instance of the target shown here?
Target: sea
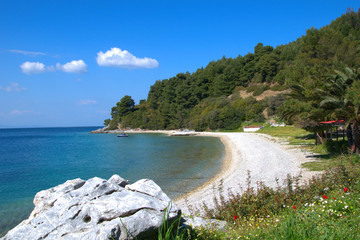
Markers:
(34, 159)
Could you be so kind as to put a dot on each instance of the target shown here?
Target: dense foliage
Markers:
(209, 98)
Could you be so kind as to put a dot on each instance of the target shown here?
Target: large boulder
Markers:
(97, 209)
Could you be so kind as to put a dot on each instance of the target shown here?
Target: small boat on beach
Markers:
(184, 132)
(122, 135)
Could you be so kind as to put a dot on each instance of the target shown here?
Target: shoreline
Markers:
(226, 161)
(261, 155)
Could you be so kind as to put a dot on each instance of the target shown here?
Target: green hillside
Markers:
(213, 98)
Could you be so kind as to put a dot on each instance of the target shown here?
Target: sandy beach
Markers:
(264, 157)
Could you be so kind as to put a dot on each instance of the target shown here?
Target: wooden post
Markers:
(331, 135)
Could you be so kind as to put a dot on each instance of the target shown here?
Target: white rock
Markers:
(97, 209)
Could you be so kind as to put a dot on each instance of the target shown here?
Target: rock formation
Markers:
(97, 209)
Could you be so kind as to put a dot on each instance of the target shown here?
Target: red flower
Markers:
(294, 207)
(325, 197)
(334, 198)
(345, 189)
(235, 217)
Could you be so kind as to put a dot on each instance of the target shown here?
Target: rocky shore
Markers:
(97, 209)
(119, 131)
(102, 209)
(179, 132)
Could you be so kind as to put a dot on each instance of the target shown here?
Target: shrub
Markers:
(278, 88)
(260, 89)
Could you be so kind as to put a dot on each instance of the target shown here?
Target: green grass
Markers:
(294, 135)
(319, 165)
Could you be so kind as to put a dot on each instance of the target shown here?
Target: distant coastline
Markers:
(40, 127)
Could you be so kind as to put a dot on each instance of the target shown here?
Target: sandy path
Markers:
(266, 159)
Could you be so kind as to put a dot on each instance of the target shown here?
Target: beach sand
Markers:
(263, 157)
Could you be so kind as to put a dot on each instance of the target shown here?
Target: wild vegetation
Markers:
(210, 99)
(325, 208)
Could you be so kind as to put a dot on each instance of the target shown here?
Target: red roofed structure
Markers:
(340, 122)
(329, 128)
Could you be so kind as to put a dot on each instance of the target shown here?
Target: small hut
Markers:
(330, 130)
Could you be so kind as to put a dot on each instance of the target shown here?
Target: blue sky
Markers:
(66, 63)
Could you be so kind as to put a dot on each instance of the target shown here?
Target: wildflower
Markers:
(345, 189)
(334, 198)
(325, 197)
(235, 217)
(293, 207)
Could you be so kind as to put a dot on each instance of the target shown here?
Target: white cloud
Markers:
(12, 87)
(87, 102)
(75, 66)
(115, 57)
(27, 53)
(34, 67)
(18, 112)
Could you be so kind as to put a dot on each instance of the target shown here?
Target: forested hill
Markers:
(210, 97)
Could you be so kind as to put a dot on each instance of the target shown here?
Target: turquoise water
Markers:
(35, 159)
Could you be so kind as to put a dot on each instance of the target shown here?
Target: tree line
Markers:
(210, 99)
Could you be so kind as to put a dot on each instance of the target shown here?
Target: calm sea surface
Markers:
(40, 158)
